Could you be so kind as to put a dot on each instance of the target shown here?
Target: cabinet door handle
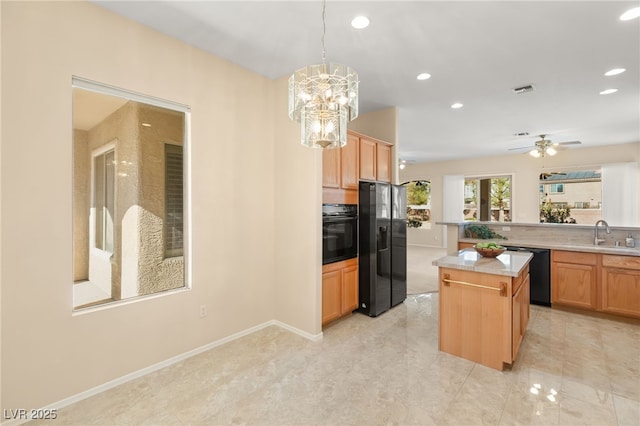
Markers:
(503, 286)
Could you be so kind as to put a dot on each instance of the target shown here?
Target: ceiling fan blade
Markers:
(570, 143)
(523, 147)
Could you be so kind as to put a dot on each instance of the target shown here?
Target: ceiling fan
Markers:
(547, 175)
(544, 147)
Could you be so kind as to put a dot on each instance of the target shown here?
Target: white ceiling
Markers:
(476, 52)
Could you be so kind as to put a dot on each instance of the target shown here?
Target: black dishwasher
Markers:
(539, 273)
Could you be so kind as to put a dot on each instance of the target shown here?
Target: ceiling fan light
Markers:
(534, 153)
(550, 150)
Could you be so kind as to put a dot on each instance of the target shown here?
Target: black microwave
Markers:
(339, 232)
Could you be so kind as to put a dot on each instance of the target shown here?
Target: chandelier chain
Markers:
(324, 30)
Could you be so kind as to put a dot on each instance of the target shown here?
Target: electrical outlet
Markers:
(203, 311)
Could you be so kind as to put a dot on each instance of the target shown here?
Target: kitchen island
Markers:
(484, 306)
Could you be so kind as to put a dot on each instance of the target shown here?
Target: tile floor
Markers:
(422, 276)
(573, 369)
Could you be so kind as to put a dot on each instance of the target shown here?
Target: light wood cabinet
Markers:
(620, 292)
(349, 164)
(464, 245)
(375, 160)
(331, 168)
(331, 296)
(574, 278)
(368, 162)
(520, 313)
(362, 158)
(350, 297)
(339, 289)
(483, 317)
(383, 162)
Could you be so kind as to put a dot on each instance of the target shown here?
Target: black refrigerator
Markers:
(382, 281)
(398, 244)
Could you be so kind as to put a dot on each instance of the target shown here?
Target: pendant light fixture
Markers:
(323, 98)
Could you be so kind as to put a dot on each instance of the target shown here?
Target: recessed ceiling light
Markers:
(424, 76)
(630, 14)
(614, 71)
(145, 124)
(608, 91)
(457, 105)
(360, 22)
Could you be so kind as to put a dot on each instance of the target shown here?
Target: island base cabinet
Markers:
(520, 314)
(339, 289)
(475, 322)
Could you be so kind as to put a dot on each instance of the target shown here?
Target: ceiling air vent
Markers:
(521, 134)
(523, 89)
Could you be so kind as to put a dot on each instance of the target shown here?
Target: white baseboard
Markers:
(312, 337)
(173, 360)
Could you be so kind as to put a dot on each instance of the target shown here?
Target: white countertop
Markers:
(508, 263)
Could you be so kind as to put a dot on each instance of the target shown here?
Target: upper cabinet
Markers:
(383, 162)
(363, 158)
(331, 168)
(367, 159)
(350, 163)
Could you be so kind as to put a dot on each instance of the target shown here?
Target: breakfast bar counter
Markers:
(484, 306)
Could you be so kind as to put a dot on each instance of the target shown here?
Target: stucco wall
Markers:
(138, 265)
(81, 204)
(254, 193)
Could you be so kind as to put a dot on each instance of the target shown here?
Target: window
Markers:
(103, 195)
(418, 204)
(487, 199)
(556, 188)
(130, 204)
(571, 196)
(173, 211)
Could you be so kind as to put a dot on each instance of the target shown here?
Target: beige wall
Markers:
(525, 171)
(255, 195)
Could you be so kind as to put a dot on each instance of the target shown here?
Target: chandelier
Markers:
(323, 98)
(543, 148)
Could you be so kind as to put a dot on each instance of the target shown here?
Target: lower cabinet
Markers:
(339, 289)
(465, 245)
(601, 282)
(621, 285)
(574, 277)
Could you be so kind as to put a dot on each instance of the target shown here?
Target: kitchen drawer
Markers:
(623, 262)
(578, 257)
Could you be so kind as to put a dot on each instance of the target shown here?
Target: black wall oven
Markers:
(339, 232)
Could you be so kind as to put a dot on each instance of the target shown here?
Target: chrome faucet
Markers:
(597, 240)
